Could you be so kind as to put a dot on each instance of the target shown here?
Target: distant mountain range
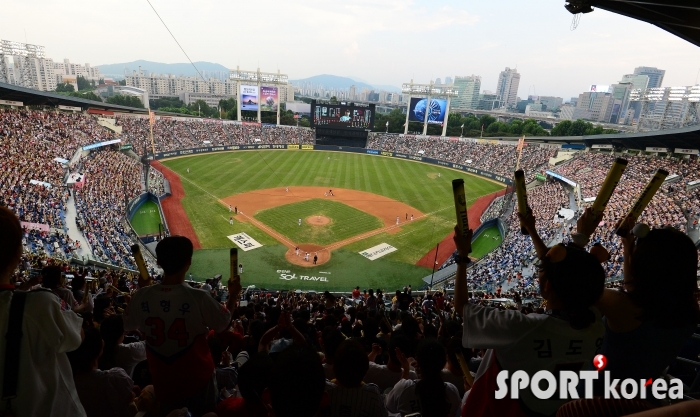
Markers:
(333, 81)
(210, 69)
(186, 69)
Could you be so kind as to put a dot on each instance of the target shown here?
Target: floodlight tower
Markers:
(23, 56)
(429, 91)
(258, 78)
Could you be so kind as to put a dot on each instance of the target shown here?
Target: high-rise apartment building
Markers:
(507, 90)
(448, 80)
(467, 92)
(638, 81)
(67, 68)
(26, 65)
(656, 76)
(599, 104)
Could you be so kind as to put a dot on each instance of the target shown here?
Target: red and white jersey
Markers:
(175, 320)
(531, 343)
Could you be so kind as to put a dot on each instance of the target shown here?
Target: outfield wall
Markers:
(213, 149)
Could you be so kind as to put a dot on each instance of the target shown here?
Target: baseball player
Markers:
(230, 220)
(411, 217)
(315, 258)
(286, 189)
(299, 222)
(230, 209)
(397, 219)
(297, 250)
(306, 257)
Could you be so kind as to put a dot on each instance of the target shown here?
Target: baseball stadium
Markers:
(325, 255)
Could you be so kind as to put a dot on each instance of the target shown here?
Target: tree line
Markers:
(491, 126)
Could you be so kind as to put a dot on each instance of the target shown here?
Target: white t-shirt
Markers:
(384, 377)
(45, 386)
(403, 399)
(530, 343)
(129, 355)
(364, 401)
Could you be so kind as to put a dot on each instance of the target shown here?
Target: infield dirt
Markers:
(384, 208)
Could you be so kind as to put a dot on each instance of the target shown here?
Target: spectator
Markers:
(647, 324)
(297, 384)
(348, 395)
(253, 380)
(44, 383)
(386, 376)
(571, 281)
(102, 393)
(176, 319)
(116, 354)
(429, 395)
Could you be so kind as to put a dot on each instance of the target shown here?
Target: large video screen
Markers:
(342, 116)
(436, 110)
(249, 97)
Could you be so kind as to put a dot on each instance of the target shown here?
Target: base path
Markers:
(178, 222)
(447, 245)
(382, 207)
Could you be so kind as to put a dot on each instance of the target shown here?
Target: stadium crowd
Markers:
(159, 347)
(497, 158)
(112, 179)
(171, 134)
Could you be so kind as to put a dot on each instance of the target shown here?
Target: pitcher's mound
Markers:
(322, 254)
(318, 220)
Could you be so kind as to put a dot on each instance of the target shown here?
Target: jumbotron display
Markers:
(342, 116)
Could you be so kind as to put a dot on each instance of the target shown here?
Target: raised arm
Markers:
(529, 223)
(464, 248)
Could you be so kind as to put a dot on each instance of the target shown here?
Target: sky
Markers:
(377, 41)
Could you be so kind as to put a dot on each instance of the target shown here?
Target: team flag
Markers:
(521, 143)
(152, 117)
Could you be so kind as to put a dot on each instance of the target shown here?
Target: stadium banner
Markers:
(602, 146)
(101, 144)
(35, 226)
(655, 149)
(686, 151)
(479, 172)
(244, 241)
(562, 178)
(269, 98)
(61, 160)
(376, 252)
(692, 185)
(11, 103)
(249, 97)
(288, 275)
(42, 183)
(419, 107)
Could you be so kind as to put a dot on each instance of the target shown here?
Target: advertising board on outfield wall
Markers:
(211, 149)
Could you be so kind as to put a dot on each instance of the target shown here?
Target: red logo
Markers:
(600, 361)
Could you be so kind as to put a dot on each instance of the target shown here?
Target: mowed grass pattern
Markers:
(146, 219)
(413, 183)
(346, 221)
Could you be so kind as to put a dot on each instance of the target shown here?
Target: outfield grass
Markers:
(215, 176)
(346, 221)
(485, 242)
(147, 219)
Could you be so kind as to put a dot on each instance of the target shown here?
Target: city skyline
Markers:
(376, 47)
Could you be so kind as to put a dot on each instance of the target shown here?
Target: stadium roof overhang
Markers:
(684, 138)
(31, 97)
(679, 17)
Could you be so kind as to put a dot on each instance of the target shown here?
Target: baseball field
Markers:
(368, 220)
